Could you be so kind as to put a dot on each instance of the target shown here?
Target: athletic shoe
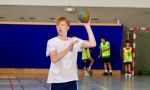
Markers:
(105, 73)
(129, 75)
(126, 74)
(110, 73)
(86, 74)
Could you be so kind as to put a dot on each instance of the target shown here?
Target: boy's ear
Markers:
(68, 27)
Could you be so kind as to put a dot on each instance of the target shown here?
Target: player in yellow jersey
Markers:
(86, 55)
(105, 54)
(127, 58)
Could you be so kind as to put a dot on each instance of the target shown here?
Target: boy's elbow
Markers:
(93, 44)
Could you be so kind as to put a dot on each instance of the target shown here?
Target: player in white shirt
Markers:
(63, 55)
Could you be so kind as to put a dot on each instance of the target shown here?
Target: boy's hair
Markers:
(127, 41)
(103, 38)
(60, 19)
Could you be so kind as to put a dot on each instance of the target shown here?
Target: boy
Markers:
(86, 55)
(63, 55)
(105, 54)
(127, 58)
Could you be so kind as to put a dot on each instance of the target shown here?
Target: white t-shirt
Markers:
(64, 70)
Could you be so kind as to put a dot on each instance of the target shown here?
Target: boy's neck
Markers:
(64, 38)
(104, 42)
(127, 46)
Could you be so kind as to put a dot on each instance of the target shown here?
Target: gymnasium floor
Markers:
(92, 83)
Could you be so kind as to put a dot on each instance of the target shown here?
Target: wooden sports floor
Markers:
(38, 82)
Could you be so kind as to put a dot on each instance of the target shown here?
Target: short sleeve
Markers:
(108, 45)
(80, 44)
(50, 47)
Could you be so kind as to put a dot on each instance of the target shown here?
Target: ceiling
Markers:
(130, 17)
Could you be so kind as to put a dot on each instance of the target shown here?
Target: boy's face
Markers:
(62, 28)
(102, 40)
(127, 44)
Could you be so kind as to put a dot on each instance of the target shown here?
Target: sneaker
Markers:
(85, 78)
(86, 74)
(110, 73)
(90, 73)
(126, 74)
(105, 73)
(129, 74)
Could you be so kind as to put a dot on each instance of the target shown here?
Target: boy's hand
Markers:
(85, 24)
(72, 44)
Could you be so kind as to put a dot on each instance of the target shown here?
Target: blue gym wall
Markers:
(24, 46)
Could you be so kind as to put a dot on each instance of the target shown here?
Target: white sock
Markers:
(110, 70)
(106, 71)
(89, 68)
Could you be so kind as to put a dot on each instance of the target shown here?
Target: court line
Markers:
(101, 87)
(20, 83)
(42, 84)
(12, 88)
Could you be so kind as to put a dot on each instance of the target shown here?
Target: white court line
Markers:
(101, 87)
